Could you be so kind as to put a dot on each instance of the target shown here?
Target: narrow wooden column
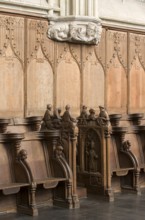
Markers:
(73, 139)
(109, 192)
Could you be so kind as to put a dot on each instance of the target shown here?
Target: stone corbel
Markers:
(85, 30)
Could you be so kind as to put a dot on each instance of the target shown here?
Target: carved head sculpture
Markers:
(22, 154)
(49, 106)
(84, 107)
(59, 111)
(67, 107)
(101, 107)
(92, 111)
(59, 151)
(91, 29)
(92, 115)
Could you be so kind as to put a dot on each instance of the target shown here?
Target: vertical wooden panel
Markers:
(39, 85)
(116, 88)
(93, 79)
(116, 75)
(137, 88)
(11, 63)
(137, 73)
(40, 60)
(68, 80)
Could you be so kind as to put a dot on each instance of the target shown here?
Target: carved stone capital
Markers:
(86, 30)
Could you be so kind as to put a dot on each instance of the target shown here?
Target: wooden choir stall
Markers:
(44, 161)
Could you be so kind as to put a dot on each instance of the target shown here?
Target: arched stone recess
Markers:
(116, 83)
(93, 81)
(39, 85)
(136, 87)
(68, 84)
(11, 85)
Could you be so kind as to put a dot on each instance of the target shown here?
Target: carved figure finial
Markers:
(103, 118)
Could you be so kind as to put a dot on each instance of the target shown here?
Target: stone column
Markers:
(50, 12)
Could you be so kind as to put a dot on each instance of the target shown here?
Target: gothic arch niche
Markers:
(68, 84)
(92, 152)
(116, 82)
(136, 87)
(39, 85)
(11, 85)
(93, 83)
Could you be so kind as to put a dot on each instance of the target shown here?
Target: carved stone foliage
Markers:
(75, 30)
(92, 155)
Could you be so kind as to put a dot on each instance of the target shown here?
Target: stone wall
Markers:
(125, 13)
(36, 70)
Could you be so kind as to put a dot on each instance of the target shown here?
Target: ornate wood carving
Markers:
(92, 152)
(101, 48)
(116, 47)
(136, 49)
(37, 39)
(12, 34)
(116, 78)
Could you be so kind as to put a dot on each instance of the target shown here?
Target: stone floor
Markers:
(125, 207)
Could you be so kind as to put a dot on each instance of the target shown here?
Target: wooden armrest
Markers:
(122, 171)
(11, 188)
(51, 182)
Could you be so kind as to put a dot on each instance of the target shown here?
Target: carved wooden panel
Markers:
(75, 51)
(36, 156)
(39, 71)
(36, 71)
(67, 80)
(100, 49)
(37, 37)
(137, 73)
(11, 63)
(93, 79)
(116, 75)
